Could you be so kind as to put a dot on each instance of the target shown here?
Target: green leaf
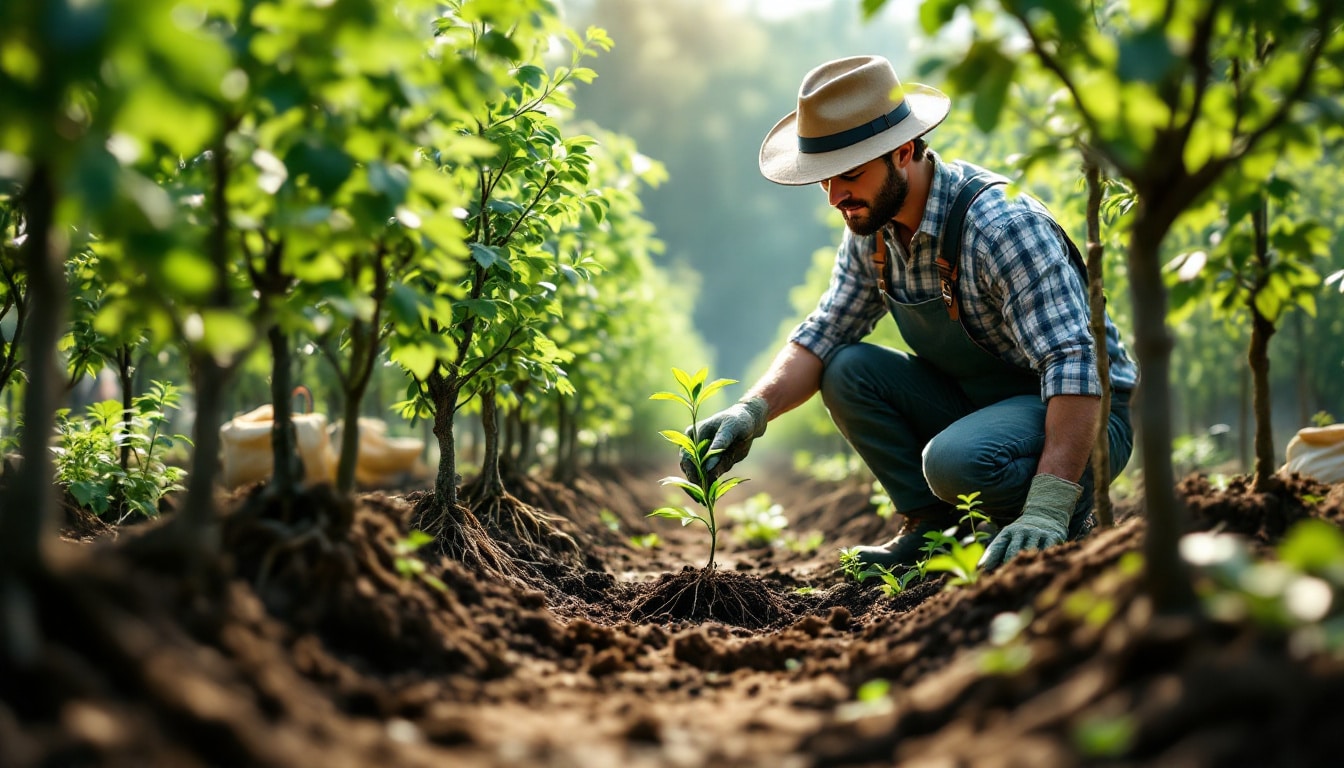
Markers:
(683, 379)
(1146, 56)
(679, 439)
(390, 181)
(694, 490)
(486, 255)
(670, 396)
(326, 166)
(1313, 546)
(712, 387)
(723, 485)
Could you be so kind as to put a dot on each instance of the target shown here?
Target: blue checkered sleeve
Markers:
(850, 307)
(1032, 304)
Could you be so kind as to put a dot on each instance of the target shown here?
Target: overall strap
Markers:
(954, 231)
(880, 263)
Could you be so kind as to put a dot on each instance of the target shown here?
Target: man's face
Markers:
(868, 196)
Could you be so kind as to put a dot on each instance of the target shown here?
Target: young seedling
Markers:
(850, 564)
(961, 558)
(409, 565)
(973, 517)
(758, 521)
(646, 541)
(694, 392)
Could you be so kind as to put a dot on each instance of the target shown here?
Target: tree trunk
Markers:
(126, 377)
(198, 514)
(1101, 452)
(27, 516)
(1166, 580)
(491, 484)
(1258, 358)
(287, 470)
(562, 440)
(1306, 399)
(364, 338)
(444, 394)
(1244, 415)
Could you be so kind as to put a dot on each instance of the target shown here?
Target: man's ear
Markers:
(902, 155)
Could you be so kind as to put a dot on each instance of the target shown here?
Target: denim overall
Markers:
(952, 418)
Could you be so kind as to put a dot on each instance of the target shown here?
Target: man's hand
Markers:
(1044, 521)
(731, 430)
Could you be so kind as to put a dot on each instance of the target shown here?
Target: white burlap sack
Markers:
(247, 447)
(383, 461)
(1317, 452)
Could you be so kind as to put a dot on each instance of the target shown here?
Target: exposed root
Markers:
(704, 594)
(530, 533)
(459, 536)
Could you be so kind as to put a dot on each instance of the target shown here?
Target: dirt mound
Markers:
(699, 594)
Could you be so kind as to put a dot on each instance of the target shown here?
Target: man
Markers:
(1001, 395)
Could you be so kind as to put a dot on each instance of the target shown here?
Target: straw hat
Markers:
(849, 112)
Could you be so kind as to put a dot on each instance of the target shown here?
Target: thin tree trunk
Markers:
(1166, 580)
(562, 439)
(364, 338)
(444, 394)
(287, 471)
(527, 446)
(211, 379)
(126, 377)
(1101, 452)
(1244, 415)
(1262, 329)
(491, 484)
(26, 519)
(1302, 372)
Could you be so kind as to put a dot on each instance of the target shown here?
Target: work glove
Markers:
(732, 430)
(1044, 521)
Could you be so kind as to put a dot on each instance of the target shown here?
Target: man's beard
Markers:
(888, 202)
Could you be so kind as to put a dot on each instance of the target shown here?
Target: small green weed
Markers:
(805, 545)
(880, 499)
(646, 541)
(758, 521)
(88, 454)
(409, 565)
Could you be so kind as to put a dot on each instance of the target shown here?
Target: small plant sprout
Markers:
(758, 521)
(694, 392)
(850, 564)
(409, 565)
(881, 500)
(972, 516)
(646, 541)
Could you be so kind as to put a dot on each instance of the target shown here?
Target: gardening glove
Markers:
(732, 430)
(1044, 521)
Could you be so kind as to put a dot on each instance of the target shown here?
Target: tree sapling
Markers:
(694, 392)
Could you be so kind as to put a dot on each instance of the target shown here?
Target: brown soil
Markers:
(315, 642)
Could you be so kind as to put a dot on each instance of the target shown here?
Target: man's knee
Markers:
(955, 465)
(845, 379)
(950, 468)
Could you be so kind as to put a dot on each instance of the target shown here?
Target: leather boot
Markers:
(904, 549)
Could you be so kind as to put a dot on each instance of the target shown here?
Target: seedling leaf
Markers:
(679, 439)
(696, 491)
(670, 396)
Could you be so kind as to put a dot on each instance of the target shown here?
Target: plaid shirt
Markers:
(1021, 298)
